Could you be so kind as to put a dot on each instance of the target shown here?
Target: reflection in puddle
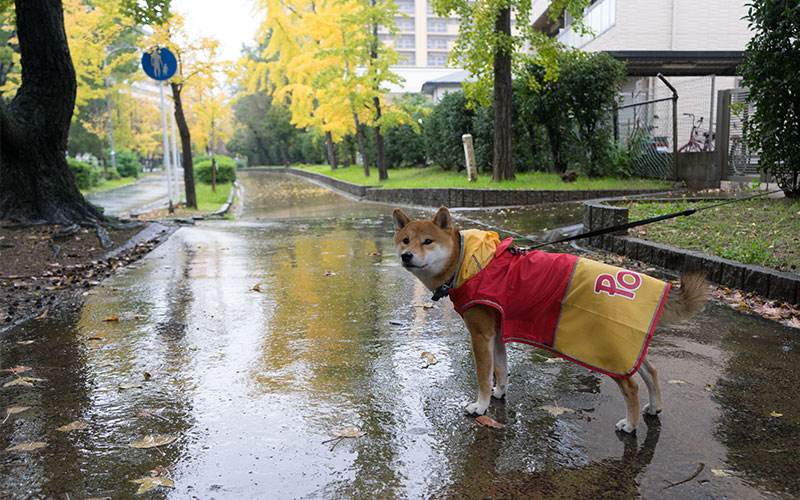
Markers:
(253, 381)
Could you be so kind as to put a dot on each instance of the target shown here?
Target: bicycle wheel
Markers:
(737, 159)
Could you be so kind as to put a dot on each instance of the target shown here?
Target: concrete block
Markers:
(534, 197)
(631, 248)
(784, 287)
(756, 280)
(674, 259)
(712, 268)
(732, 274)
(561, 196)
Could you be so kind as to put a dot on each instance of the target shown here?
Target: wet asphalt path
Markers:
(252, 382)
(149, 192)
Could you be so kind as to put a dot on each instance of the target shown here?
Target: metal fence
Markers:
(651, 126)
(740, 163)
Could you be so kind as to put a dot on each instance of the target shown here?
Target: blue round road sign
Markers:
(159, 63)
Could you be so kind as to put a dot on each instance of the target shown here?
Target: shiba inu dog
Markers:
(599, 316)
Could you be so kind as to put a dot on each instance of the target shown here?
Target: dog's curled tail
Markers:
(684, 302)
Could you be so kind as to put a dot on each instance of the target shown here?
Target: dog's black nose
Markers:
(406, 256)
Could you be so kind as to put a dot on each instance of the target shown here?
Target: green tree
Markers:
(771, 71)
(488, 50)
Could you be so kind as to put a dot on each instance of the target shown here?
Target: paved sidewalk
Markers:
(150, 192)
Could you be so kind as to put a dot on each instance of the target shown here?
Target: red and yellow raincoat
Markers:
(596, 315)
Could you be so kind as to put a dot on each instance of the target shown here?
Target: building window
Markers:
(437, 27)
(437, 43)
(405, 42)
(406, 7)
(406, 25)
(407, 59)
(437, 60)
(600, 17)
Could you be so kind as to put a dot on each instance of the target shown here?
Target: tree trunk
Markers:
(331, 152)
(36, 183)
(361, 149)
(382, 173)
(503, 166)
(186, 147)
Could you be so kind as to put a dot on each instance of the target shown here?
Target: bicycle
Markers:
(694, 145)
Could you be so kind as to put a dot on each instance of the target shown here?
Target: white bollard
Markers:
(469, 154)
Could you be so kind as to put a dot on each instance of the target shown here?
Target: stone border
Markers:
(227, 205)
(764, 281)
(459, 197)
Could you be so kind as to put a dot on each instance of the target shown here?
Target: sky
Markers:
(232, 22)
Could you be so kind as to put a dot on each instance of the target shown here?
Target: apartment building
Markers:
(425, 39)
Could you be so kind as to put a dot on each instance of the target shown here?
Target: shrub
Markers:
(86, 176)
(112, 174)
(128, 163)
(226, 169)
(443, 129)
(403, 147)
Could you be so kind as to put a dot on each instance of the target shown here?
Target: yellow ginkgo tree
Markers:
(324, 59)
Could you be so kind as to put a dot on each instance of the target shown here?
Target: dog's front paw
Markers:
(498, 392)
(476, 408)
(650, 409)
(625, 426)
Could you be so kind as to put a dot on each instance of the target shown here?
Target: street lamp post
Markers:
(108, 105)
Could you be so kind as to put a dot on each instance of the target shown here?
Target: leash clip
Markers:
(440, 292)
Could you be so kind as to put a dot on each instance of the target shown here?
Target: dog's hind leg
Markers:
(630, 391)
(500, 367)
(650, 376)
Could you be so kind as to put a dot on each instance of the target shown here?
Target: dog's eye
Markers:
(427, 242)
(405, 241)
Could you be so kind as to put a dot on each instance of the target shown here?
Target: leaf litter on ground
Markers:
(429, 358)
(13, 411)
(150, 483)
(74, 426)
(35, 445)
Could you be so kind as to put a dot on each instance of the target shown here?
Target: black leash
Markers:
(641, 222)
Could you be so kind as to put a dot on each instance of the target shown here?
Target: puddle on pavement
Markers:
(252, 382)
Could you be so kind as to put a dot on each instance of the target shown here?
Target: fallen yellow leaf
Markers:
(775, 414)
(24, 381)
(257, 287)
(151, 483)
(721, 472)
(151, 441)
(348, 432)
(554, 360)
(557, 410)
(25, 342)
(427, 305)
(74, 426)
(27, 446)
(430, 358)
(675, 381)
(112, 318)
(130, 385)
(13, 410)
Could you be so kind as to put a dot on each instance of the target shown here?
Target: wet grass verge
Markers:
(435, 177)
(764, 232)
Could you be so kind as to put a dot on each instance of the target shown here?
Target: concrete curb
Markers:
(227, 205)
(459, 197)
(764, 281)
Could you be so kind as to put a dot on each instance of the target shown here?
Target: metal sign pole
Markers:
(175, 157)
(166, 145)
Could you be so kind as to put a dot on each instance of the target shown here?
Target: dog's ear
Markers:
(400, 219)
(443, 219)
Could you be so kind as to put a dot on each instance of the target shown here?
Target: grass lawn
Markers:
(432, 177)
(207, 201)
(112, 184)
(765, 232)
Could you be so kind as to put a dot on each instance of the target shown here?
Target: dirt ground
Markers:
(38, 272)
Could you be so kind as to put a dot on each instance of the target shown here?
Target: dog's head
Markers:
(427, 248)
